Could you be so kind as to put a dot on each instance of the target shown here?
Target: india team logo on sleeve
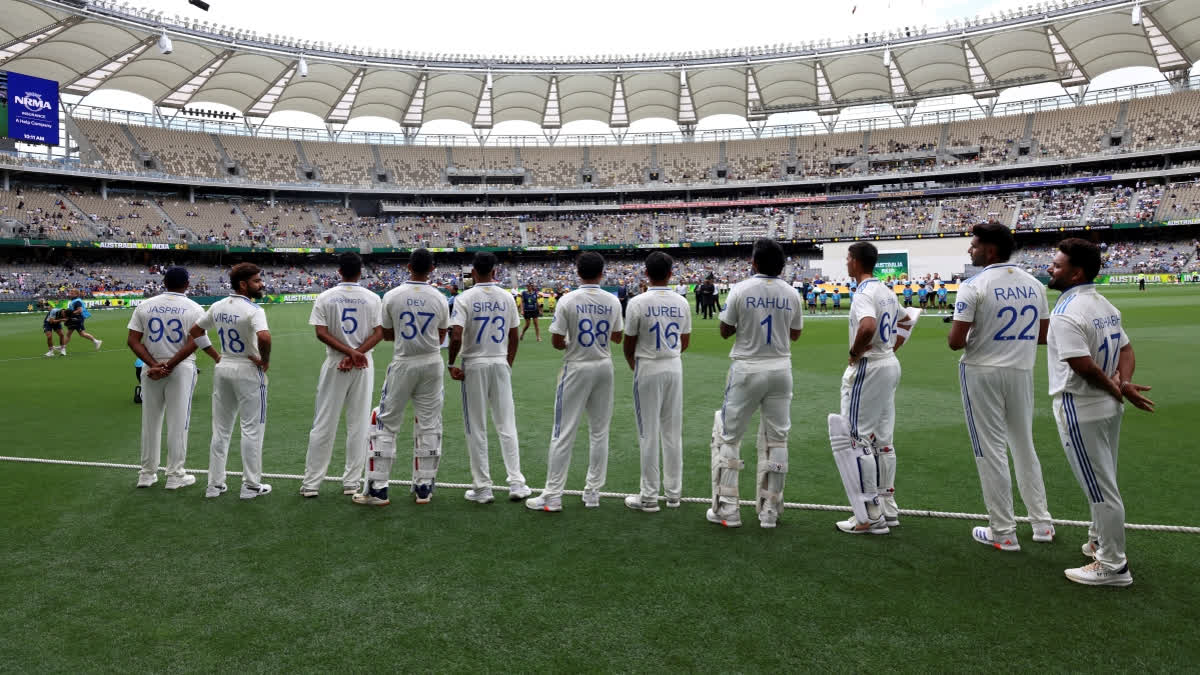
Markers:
(960, 306)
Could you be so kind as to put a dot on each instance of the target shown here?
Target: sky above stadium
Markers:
(555, 28)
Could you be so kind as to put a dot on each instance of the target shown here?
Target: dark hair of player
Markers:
(768, 257)
(658, 266)
(241, 272)
(589, 265)
(175, 279)
(866, 254)
(1082, 254)
(421, 261)
(484, 262)
(350, 265)
(997, 235)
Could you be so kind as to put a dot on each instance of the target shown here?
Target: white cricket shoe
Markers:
(480, 496)
(370, 499)
(351, 488)
(147, 481)
(1006, 542)
(1043, 533)
(673, 503)
(1089, 548)
(250, 492)
(636, 503)
(98, 343)
(214, 491)
(591, 499)
(852, 526)
(727, 518)
(176, 482)
(518, 491)
(1096, 574)
(62, 352)
(309, 493)
(768, 518)
(52, 352)
(540, 503)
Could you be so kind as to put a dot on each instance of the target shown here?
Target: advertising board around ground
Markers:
(30, 108)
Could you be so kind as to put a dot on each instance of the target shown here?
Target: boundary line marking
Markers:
(920, 513)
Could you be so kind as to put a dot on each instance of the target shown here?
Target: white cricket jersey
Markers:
(237, 321)
(657, 318)
(164, 322)
(764, 310)
(416, 311)
(1005, 306)
(587, 316)
(876, 300)
(350, 313)
(486, 312)
(1083, 323)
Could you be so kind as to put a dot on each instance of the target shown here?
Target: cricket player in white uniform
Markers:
(764, 313)
(158, 329)
(483, 327)
(1000, 317)
(658, 329)
(861, 437)
(347, 320)
(416, 317)
(1091, 365)
(239, 380)
(586, 321)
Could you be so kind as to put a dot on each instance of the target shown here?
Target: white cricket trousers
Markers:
(488, 385)
(172, 396)
(658, 410)
(998, 403)
(416, 379)
(1090, 431)
(749, 387)
(869, 399)
(583, 387)
(336, 390)
(239, 393)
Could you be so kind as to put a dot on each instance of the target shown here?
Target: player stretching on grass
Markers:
(658, 329)
(483, 326)
(1091, 366)
(416, 317)
(764, 313)
(586, 321)
(1000, 317)
(158, 329)
(77, 313)
(346, 319)
(51, 324)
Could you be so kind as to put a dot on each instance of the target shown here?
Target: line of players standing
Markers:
(762, 313)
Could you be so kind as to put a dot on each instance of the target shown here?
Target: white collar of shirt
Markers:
(764, 276)
(1081, 288)
(658, 288)
(417, 283)
(174, 293)
(582, 286)
(488, 283)
(998, 265)
(349, 283)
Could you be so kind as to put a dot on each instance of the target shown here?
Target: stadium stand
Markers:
(181, 153)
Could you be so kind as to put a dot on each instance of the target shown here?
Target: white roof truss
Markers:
(17, 46)
(619, 118)
(551, 119)
(687, 107)
(1068, 67)
(1169, 56)
(88, 83)
(341, 110)
(181, 94)
(414, 114)
(265, 102)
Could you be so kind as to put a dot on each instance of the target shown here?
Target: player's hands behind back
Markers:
(1133, 393)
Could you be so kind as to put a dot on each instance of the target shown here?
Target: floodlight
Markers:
(303, 67)
(164, 43)
(887, 57)
(1137, 13)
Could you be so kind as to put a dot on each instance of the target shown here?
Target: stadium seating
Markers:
(181, 153)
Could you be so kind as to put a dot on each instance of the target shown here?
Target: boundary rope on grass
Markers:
(920, 513)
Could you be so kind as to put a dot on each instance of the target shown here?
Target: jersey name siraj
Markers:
(593, 309)
(488, 307)
(663, 310)
(1015, 293)
(768, 303)
(225, 317)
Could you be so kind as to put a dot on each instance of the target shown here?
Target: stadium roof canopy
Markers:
(93, 45)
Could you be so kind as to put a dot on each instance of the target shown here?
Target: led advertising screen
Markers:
(28, 108)
(892, 264)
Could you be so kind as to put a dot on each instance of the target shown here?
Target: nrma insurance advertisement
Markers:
(28, 108)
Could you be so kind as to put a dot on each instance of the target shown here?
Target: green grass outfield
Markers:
(98, 576)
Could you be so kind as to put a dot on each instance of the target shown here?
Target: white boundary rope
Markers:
(920, 513)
